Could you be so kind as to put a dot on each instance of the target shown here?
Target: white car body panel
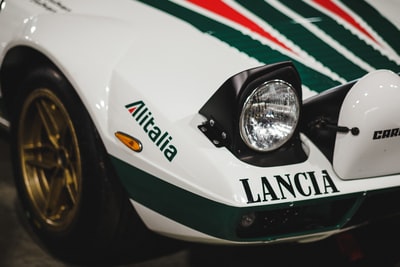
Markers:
(133, 58)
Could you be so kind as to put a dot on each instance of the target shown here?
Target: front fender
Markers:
(86, 62)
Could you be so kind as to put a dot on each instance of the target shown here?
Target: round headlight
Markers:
(269, 116)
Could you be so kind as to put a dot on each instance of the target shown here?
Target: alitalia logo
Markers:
(162, 139)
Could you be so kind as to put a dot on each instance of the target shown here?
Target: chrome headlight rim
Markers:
(245, 135)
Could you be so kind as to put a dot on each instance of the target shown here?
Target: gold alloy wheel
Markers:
(49, 159)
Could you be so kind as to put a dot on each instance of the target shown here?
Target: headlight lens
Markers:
(269, 116)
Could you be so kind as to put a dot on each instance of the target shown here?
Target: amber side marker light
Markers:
(129, 141)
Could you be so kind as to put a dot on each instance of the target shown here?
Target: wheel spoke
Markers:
(71, 186)
(50, 158)
(40, 156)
(53, 200)
(42, 164)
(38, 148)
(49, 122)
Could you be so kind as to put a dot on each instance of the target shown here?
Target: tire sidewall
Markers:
(96, 214)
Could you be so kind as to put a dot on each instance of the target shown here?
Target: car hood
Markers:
(194, 47)
(329, 42)
(174, 55)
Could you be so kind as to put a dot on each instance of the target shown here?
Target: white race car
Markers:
(231, 122)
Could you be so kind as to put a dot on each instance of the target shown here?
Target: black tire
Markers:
(66, 184)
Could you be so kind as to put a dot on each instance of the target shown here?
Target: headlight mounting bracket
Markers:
(224, 108)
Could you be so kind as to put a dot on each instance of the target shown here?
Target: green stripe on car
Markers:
(211, 217)
(323, 51)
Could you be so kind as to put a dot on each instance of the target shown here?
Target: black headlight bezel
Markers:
(224, 108)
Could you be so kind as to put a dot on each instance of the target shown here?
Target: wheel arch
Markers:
(96, 170)
(85, 49)
(17, 63)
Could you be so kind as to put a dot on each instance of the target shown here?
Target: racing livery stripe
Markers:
(246, 27)
(390, 32)
(304, 38)
(177, 204)
(254, 48)
(323, 60)
(367, 50)
(221, 8)
(202, 214)
(220, 220)
(340, 12)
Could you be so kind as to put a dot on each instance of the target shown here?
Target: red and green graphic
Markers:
(329, 41)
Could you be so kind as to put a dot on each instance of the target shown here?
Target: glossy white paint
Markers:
(129, 58)
(167, 227)
(372, 106)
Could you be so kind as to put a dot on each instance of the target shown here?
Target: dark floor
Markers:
(376, 245)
